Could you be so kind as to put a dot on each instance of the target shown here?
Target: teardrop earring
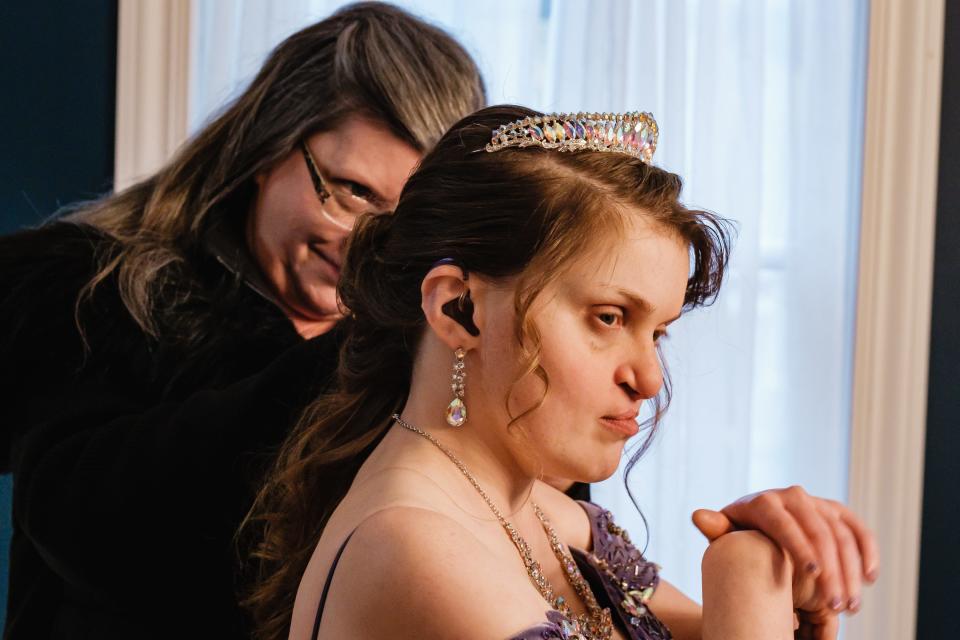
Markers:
(456, 412)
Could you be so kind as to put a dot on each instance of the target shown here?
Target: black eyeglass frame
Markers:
(318, 184)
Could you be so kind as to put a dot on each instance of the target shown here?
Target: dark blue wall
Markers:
(58, 78)
(57, 96)
(940, 537)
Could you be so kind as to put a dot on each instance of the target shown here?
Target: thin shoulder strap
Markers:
(326, 586)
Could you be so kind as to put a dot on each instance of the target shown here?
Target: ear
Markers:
(440, 291)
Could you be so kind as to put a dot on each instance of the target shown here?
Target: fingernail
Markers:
(854, 604)
(872, 575)
(812, 567)
(835, 603)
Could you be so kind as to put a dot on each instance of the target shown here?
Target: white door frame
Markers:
(895, 283)
(153, 74)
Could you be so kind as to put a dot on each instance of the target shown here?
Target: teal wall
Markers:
(58, 82)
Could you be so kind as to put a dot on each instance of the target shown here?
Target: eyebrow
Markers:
(642, 303)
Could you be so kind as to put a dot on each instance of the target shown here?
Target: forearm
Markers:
(92, 486)
(747, 589)
(682, 615)
(106, 476)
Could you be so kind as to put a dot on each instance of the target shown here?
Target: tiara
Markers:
(631, 133)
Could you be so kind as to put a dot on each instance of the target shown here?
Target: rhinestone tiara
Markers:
(631, 133)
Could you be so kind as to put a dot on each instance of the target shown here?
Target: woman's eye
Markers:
(609, 318)
(359, 191)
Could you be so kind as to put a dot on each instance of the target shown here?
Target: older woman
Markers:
(157, 347)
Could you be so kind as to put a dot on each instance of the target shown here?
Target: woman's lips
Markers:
(625, 424)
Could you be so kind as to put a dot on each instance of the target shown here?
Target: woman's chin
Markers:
(600, 476)
(313, 315)
(319, 303)
(606, 466)
(599, 471)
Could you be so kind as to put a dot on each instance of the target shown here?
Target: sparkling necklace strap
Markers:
(596, 624)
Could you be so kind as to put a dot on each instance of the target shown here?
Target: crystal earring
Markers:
(456, 413)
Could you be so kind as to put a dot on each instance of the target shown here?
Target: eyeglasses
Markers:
(345, 201)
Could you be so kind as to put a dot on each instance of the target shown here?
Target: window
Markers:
(760, 105)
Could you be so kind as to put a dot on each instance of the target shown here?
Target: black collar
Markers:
(227, 244)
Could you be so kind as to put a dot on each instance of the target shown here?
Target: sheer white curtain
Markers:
(760, 110)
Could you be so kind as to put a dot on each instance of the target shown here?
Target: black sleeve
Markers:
(106, 481)
(41, 272)
(106, 474)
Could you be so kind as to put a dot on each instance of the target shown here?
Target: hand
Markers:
(833, 551)
(821, 625)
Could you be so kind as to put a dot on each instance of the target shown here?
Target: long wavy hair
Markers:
(518, 212)
(369, 59)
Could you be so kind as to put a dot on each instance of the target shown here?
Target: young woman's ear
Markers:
(448, 307)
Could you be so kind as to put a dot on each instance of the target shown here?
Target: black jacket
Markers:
(135, 460)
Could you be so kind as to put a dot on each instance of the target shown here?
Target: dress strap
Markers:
(326, 586)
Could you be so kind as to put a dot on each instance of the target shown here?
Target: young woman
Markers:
(503, 328)
(156, 348)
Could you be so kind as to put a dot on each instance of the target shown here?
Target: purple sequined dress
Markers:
(619, 576)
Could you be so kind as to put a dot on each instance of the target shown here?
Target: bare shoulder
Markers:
(410, 572)
(570, 520)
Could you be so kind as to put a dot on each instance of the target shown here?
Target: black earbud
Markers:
(461, 307)
(461, 310)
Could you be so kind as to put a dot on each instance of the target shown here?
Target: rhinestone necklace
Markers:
(596, 624)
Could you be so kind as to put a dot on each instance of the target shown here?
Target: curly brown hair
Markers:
(518, 212)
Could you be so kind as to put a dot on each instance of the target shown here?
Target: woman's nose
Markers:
(641, 375)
